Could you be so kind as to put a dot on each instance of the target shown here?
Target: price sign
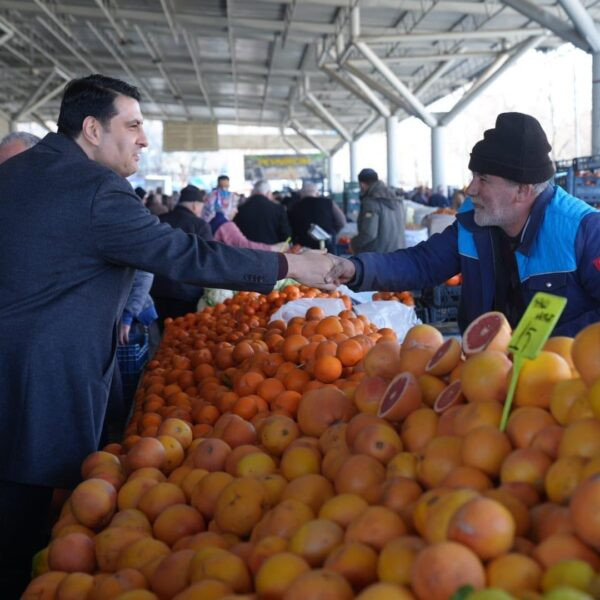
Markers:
(529, 337)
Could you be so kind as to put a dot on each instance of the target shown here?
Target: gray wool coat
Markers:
(72, 232)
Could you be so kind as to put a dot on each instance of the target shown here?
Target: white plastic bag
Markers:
(298, 308)
(389, 313)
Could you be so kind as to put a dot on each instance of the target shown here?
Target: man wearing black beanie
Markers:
(516, 234)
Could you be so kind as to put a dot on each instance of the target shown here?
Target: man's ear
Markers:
(91, 130)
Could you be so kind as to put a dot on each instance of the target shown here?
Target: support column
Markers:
(4, 126)
(438, 166)
(330, 173)
(353, 169)
(596, 103)
(391, 130)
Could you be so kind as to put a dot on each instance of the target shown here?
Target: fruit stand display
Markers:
(322, 459)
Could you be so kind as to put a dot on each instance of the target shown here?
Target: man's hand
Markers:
(312, 268)
(124, 334)
(343, 271)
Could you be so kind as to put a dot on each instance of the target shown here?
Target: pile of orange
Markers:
(404, 297)
(256, 465)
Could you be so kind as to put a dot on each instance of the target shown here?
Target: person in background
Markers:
(221, 199)
(515, 235)
(313, 208)
(141, 193)
(261, 219)
(457, 200)
(439, 198)
(381, 217)
(420, 195)
(227, 232)
(16, 142)
(173, 298)
(292, 198)
(155, 206)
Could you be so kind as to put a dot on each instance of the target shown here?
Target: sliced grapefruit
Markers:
(450, 396)
(401, 397)
(489, 331)
(445, 359)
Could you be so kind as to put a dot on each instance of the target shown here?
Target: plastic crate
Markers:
(422, 313)
(446, 296)
(133, 356)
(442, 315)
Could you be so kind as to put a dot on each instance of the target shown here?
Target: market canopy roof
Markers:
(314, 64)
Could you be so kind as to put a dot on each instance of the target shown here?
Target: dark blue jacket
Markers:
(559, 253)
(72, 233)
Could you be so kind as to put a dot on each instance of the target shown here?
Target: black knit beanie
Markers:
(190, 193)
(516, 149)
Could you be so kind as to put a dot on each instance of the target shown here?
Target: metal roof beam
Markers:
(297, 127)
(192, 50)
(545, 19)
(269, 72)
(51, 94)
(156, 57)
(41, 89)
(365, 126)
(170, 21)
(31, 43)
(434, 36)
(371, 82)
(314, 104)
(56, 35)
(489, 76)
(112, 21)
(356, 88)
(289, 142)
(467, 7)
(583, 22)
(289, 15)
(393, 80)
(67, 31)
(228, 4)
(124, 66)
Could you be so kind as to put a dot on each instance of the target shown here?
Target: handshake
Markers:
(317, 268)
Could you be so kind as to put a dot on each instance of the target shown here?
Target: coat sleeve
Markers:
(427, 264)
(136, 301)
(339, 218)
(229, 233)
(125, 233)
(285, 231)
(368, 226)
(587, 247)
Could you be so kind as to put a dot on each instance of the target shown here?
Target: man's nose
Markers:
(143, 139)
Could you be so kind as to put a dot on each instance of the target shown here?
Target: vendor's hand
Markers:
(342, 271)
(124, 334)
(311, 268)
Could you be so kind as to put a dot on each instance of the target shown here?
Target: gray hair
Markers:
(309, 189)
(262, 187)
(28, 139)
(538, 188)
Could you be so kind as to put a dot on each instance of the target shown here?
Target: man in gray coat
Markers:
(381, 217)
(72, 234)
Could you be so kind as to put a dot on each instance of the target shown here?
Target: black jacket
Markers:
(313, 210)
(262, 220)
(181, 218)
